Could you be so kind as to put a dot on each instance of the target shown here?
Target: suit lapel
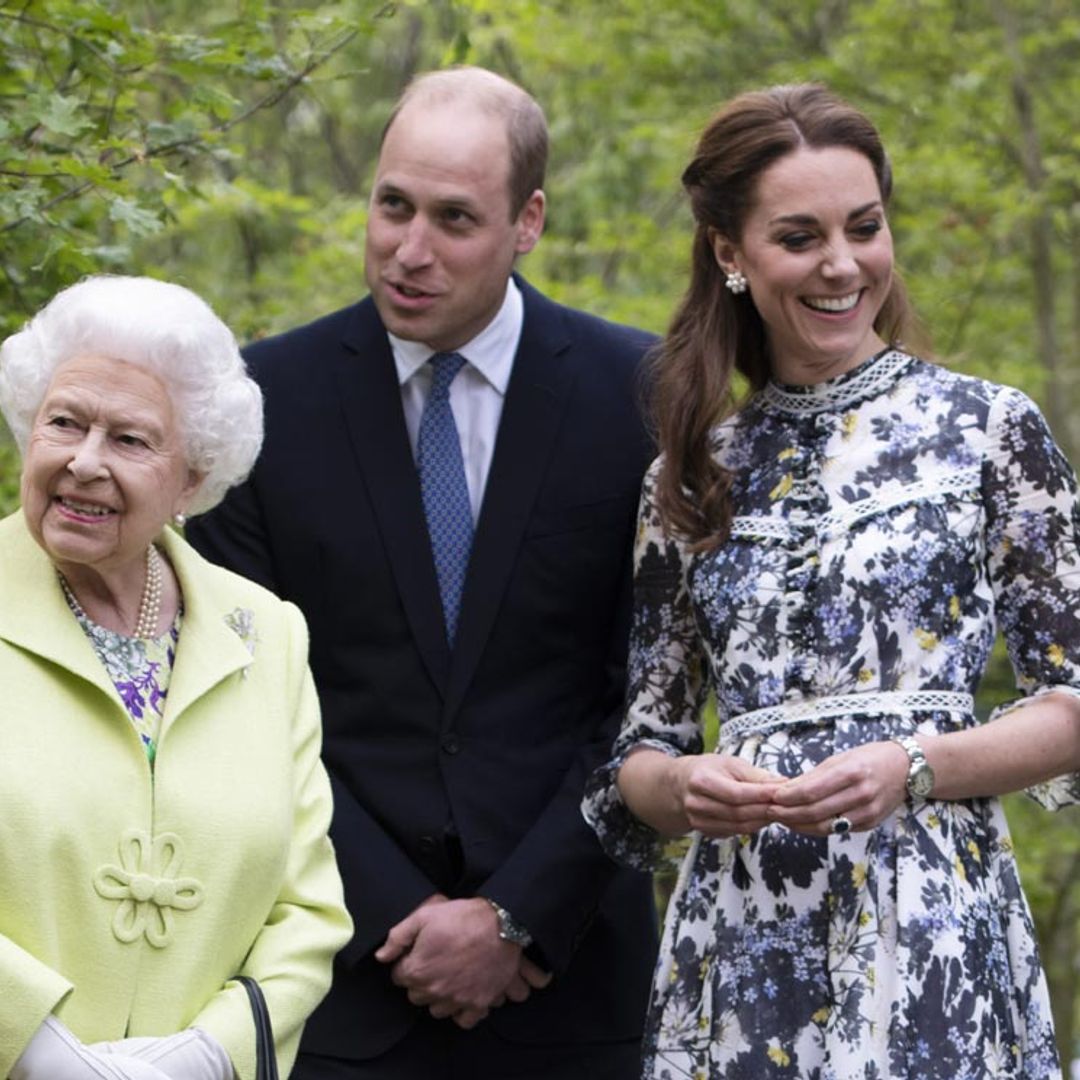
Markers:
(536, 397)
(371, 399)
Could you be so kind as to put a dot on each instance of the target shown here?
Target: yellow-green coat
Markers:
(128, 899)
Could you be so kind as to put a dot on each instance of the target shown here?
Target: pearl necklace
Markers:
(149, 606)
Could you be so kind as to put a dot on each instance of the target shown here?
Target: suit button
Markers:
(451, 744)
(427, 845)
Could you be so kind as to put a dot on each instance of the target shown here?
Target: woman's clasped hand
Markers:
(55, 1052)
(864, 785)
(722, 795)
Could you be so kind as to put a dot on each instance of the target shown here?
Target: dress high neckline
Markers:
(867, 380)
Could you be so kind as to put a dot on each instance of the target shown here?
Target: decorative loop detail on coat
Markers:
(147, 886)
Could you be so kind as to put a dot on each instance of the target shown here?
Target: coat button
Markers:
(451, 744)
(427, 845)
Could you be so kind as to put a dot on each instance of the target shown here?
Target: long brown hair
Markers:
(715, 333)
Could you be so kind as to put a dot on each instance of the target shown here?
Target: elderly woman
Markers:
(163, 810)
(831, 559)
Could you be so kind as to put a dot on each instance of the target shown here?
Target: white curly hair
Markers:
(159, 326)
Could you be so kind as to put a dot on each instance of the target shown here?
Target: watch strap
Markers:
(920, 776)
(509, 928)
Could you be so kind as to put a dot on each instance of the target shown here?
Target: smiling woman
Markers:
(105, 467)
(829, 560)
(817, 256)
(160, 732)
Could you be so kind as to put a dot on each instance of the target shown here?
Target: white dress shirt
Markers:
(477, 392)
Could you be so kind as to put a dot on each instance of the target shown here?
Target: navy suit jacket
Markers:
(461, 771)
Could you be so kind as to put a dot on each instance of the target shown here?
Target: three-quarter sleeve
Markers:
(666, 684)
(1033, 553)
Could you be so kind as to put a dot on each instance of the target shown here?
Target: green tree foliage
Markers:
(231, 146)
(113, 117)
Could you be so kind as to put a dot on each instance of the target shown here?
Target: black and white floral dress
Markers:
(886, 521)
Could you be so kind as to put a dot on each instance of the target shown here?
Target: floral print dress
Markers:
(139, 668)
(885, 521)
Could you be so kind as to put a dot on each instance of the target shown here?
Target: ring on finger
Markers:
(840, 825)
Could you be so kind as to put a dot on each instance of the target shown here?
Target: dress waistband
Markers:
(902, 702)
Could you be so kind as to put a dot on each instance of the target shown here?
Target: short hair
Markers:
(526, 125)
(165, 329)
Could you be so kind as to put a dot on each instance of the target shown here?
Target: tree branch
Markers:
(268, 100)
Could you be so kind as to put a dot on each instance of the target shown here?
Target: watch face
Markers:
(921, 780)
(510, 931)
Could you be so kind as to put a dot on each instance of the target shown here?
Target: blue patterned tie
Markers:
(443, 489)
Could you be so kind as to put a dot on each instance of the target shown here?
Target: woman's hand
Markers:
(723, 795)
(54, 1053)
(863, 785)
(717, 794)
(191, 1054)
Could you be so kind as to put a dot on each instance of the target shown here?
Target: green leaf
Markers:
(63, 115)
(140, 221)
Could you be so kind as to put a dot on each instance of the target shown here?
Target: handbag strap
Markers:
(266, 1059)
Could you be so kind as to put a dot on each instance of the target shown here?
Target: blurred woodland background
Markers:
(230, 146)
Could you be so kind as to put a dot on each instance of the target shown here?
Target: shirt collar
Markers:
(491, 352)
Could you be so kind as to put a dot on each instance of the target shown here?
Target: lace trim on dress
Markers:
(866, 381)
(760, 527)
(887, 702)
(838, 522)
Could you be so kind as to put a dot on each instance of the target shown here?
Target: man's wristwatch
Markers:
(920, 776)
(509, 928)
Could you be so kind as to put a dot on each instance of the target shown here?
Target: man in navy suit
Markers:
(493, 937)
